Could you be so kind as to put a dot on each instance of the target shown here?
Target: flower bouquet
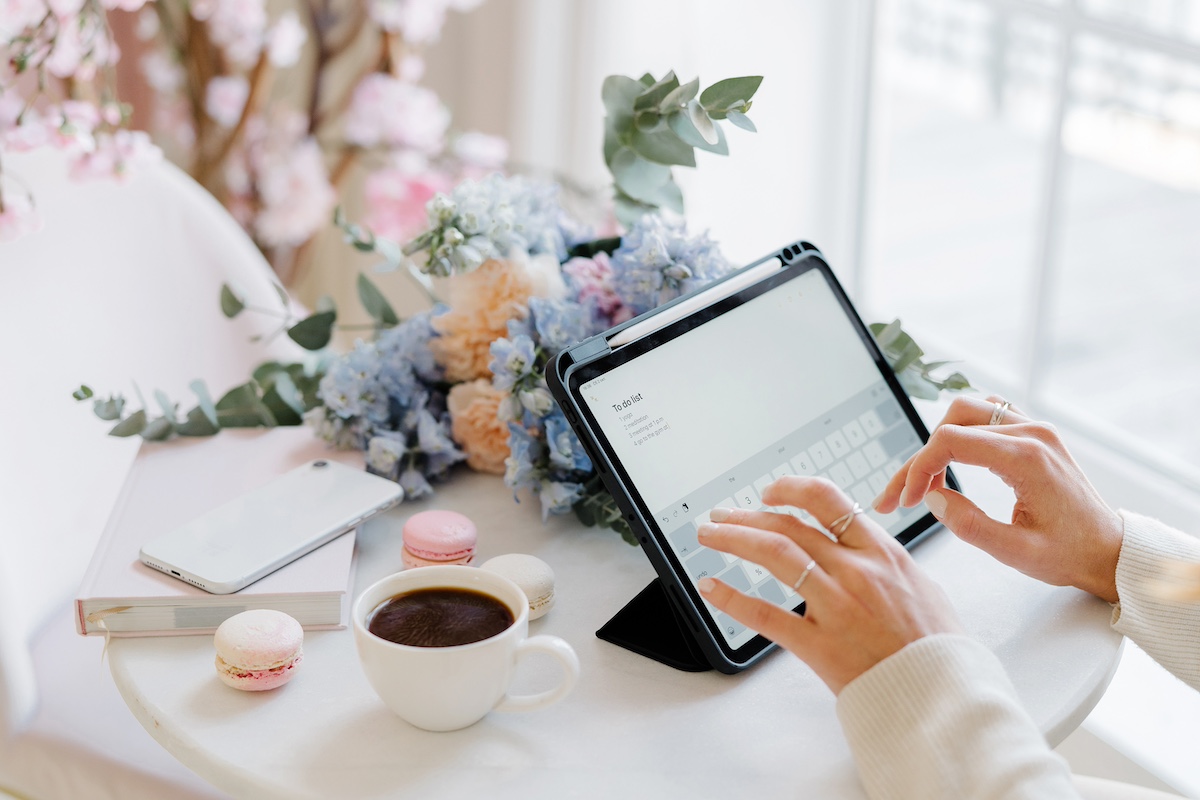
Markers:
(514, 279)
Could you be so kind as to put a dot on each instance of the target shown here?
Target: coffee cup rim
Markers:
(359, 615)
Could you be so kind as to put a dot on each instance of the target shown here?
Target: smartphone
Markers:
(253, 535)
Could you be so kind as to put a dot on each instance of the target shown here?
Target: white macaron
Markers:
(533, 575)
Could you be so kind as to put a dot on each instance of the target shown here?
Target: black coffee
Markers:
(439, 618)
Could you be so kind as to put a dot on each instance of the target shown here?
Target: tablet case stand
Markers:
(650, 626)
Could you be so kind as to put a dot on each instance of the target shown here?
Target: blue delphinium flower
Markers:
(566, 451)
(512, 360)
(559, 323)
(525, 451)
(558, 496)
(658, 261)
(385, 453)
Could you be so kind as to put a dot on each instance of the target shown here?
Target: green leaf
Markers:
(241, 407)
(281, 410)
(314, 332)
(197, 424)
(722, 95)
(956, 382)
(647, 121)
(284, 297)
(158, 430)
(663, 147)
(637, 177)
(619, 93)
(375, 303)
(742, 121)
(651, 97)
(703, 125)
(325, 303)
(109, 409)
(83, 392)
(910, 355)
(647, 79)
(231, 304)
(670, 196)
(680, 96)
(164, 402)
(130, 426)
(200, 389)
(721, 148)
(264, 372)
(681, 123)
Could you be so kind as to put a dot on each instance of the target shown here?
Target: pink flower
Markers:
(18, 217)
(225, 98)
(285, 40)
(296, 195)
(30, 134)
(116, 155)
(17, 15)
(592, 279)
(396, 199)
(81, 45)
(236, 26)
(162, 71)
(388, 111)
(418, 21)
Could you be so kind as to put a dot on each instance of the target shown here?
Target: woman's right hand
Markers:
(1061, 532)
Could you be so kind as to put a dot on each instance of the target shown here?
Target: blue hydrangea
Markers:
(513, 360)
(566, 451)
(658, 261)
(559, 323)
(492, 218)
(558, 496)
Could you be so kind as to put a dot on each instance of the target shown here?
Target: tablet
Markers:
(707, 400)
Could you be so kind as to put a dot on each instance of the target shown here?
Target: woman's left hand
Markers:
(865, 596)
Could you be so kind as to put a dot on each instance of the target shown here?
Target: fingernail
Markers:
(705, 530)
(706, 585)
(936, 502)
(719, 514)
(875, 503)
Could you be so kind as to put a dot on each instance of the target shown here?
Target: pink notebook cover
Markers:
(171, 483)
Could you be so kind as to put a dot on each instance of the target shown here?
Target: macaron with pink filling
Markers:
(258, 650)
(438, 537)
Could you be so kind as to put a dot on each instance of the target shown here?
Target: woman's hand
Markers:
(1061, 531)
(865, 596)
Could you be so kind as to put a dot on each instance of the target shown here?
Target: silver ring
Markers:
(998, 412)
(804, 575)
(842, 523)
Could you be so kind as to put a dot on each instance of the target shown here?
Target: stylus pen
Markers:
(694, 303)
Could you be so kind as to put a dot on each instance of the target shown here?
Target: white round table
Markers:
(632, 727)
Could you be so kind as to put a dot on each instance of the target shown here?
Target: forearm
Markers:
(940, 719)
(1168, 631)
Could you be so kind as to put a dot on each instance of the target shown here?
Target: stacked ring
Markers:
(998, 412)
(804, 575)
(840, 525)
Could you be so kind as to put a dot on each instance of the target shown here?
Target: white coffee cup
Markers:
(447, 688)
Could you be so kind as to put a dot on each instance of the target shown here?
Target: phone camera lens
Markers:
(320, 463)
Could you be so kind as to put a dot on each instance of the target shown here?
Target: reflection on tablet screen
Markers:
(780, 385)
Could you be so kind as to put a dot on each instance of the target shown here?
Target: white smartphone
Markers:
(237, 543)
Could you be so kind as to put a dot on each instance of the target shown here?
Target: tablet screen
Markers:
(779, 384)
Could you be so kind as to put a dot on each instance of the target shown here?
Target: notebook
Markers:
(171, 483)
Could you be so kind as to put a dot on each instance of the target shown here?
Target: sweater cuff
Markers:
(1164, 629)
(915, 721)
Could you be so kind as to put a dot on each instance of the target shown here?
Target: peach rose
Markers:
(481, 304)
(476, 426)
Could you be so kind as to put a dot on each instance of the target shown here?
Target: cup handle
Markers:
(562, 652)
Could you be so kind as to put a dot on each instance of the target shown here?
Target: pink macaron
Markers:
(438, 537)
(258, 650)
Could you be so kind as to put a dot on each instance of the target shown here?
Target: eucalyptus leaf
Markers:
(132, 425)
(110, 408)
(241, 407)
(722, 95)
(670, 196)
(663, 147)
(375, 303)
(619, 94)
(83, 392)
(703, 125)
(158, 429)
(313, 333)
(681, 123)
(326, 303)
(197, 423)
(908, 356)
(680, 96)
(742, 121)
(638, 178)
(647, 121)
(281, 409)
(721, 148)
(206, 405)
(652, 96)
(916, 385)
(284, 298)
(647, 79)
(231, 304)
(164, 402)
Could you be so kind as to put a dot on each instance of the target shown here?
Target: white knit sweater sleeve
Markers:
(1168, 631)
(940, 719)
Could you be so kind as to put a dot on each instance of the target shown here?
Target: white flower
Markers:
(225, 98)
(296, 194)
(285, 40)
(387, 111)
